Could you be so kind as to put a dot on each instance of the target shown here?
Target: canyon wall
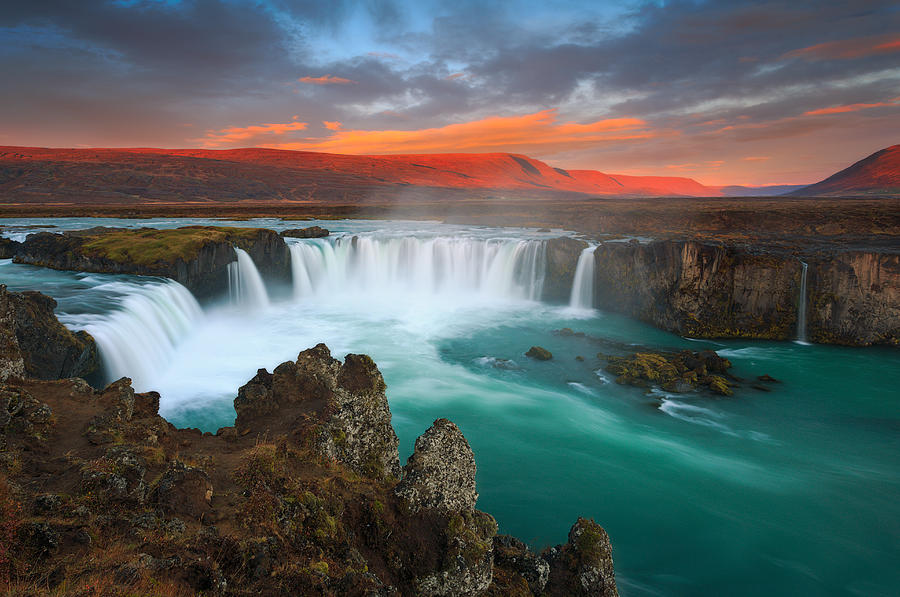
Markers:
(854, 298)
(708, 290)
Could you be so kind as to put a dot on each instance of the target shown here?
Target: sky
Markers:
(726, 92)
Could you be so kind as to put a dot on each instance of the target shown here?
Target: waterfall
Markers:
(137, 340)
(245, 285)
(501, 268)
(582, 296)
(801, 308)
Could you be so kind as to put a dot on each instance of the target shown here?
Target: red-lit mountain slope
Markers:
(878, 174)
(30, 174)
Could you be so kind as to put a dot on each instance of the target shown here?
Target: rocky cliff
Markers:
(562, 257)
(854, 298)
(34, 343)
(708, 290)
(101, 495)
(701, 290)
(196, 256)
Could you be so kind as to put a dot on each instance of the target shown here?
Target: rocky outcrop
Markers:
(8, 248)
(196, 256)
(344, 408)
(583, 566)
(440, 474)
(12, 364)
(311, 232)
(562, 259)
(513, 555)
(31, 334)
(854, 298)
(301, 498)
(699, 290)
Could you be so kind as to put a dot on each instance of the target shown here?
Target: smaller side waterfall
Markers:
(582, 296)
(245, 285)
(138, 339)
(801, 307)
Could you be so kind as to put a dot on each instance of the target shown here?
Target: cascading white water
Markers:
(245, 285)
(138, 339)
(501, 268)
(801, 307)
(582, 296)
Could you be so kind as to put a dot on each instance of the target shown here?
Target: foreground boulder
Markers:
(583, 566)
(440, 477)
(440, 474)
(33, 342)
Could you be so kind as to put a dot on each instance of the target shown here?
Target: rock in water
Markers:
(583, 566)
(539, 353)
(47, 348)
(311, 232)
(343, 406)
(440, 474)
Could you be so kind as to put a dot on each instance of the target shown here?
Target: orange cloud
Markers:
(539, 132)
(236, 134)
(847, 49)
(332, 125)
(454, 76)
(756, 158)
(326, 80)
(852, 108)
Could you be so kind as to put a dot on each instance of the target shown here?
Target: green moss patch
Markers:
(149, 246)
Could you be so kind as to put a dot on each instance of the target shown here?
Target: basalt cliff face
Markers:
(715, 291)
(562, 257)
(854, 298)
(700, 290)
(304, 496)
(196, 256)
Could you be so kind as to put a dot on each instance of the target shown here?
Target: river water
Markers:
(791, 492)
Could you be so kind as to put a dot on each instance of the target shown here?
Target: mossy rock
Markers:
(148, 246)
(539, 353)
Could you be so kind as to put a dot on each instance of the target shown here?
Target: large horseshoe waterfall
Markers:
(501, 269)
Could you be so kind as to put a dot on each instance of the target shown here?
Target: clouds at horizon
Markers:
(707, 87)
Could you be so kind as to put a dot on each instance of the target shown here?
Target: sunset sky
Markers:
(724, 92)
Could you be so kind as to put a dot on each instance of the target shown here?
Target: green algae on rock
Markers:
(674, 372)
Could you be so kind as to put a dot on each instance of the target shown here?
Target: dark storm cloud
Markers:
(688, 52)
(166, 72)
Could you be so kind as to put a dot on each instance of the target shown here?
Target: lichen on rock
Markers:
(440, 473)
(347, 414)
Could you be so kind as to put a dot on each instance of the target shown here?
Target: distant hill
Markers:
(878, 174)
(765, 191)
(40, 175)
